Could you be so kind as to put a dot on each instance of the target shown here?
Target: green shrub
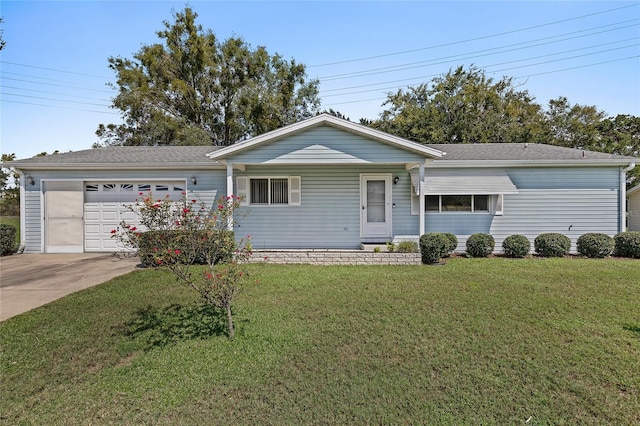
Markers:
(552, 245)
(7, 239)
(407, 247)
(516, 246)
(433, 246)
(627, 244)
(453, 243)
(149, 242)
(595, 245)
(480, 245)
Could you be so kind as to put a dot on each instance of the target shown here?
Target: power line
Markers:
(55, 69)
(52, 93)
(421, 64)
(519, 77)
(484, 67)
(59, 107)
(472, 39)
(57, 85)
(52, 99)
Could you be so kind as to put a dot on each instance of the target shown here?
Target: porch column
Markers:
(230, 191)
(422, 201)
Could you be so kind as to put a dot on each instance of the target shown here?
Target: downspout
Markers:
(622, 225)
(23, 203)
(230, 192)
(422, 201)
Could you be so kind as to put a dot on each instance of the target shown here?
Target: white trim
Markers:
(388, 225)
(422, 200)
(442, 163)
(23, 212)
(329, 120)
(633, 190)
(247, 200)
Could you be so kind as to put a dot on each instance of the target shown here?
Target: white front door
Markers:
(63, 217)
(375, 208)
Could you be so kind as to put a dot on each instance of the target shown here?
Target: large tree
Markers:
(196, 90)
(463, 106)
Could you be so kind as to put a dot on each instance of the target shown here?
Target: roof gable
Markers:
(330, 121)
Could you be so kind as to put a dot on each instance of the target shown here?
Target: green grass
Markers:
(13, 221)
(478, 341)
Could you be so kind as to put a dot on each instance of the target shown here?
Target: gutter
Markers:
(622, 226)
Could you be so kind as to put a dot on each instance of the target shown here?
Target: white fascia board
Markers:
(330, 120)
(118, 166)
(526, 163)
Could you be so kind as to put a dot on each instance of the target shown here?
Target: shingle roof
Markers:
(185, 156)
(518, 152)
(126, 155)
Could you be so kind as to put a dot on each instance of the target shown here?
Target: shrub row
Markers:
(219, 246)
(7, 239)
(433, 246)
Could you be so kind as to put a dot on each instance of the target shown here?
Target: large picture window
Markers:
(455, 203)
(269, 190)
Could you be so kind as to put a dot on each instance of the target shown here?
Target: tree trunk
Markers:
(230, 322)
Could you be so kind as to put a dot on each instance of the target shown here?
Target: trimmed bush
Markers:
(516, 246)
(453, 243)
(552, 245)
(150, 240)
(595, 245)
(433, 246)
(480, 245)
(7, 239)
(627, 244)
(407, 247)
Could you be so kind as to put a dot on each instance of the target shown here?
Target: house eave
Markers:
(116, 166)
(526, 163)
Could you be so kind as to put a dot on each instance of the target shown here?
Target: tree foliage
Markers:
(466, 106)
(194, 89)
(2, 42)
(10, 203)
(463, 106)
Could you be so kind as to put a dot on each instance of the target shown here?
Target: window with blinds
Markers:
(262, 190)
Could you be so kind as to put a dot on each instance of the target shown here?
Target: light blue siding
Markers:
(324, 145)
(210, 184)
(570, 201)
(329, 215)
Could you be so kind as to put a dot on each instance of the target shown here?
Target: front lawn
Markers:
(497, 341)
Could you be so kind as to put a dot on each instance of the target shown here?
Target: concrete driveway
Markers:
(31, 280)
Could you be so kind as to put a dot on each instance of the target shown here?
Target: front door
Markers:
(375, 200)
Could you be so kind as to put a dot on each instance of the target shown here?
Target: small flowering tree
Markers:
(179, 235)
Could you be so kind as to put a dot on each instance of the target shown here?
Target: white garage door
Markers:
(106, 205)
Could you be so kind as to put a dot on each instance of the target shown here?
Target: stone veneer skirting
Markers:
(335, 257)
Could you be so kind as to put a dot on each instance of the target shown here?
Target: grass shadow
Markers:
(162, 326)
(635, 329)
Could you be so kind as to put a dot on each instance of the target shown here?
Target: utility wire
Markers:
(53, 93)
(54, 69)
(484, 67)
(473, 39)
(52, 99)
(420, 64)
(59, 107)
(519, 77)
(57, 85)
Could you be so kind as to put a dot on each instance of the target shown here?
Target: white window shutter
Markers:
(242, 183)
(295, 191)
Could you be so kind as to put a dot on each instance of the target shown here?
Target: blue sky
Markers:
(54, 74)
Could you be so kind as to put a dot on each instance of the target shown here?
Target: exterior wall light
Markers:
(194, 180)
(396, 180)
(30, 180)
